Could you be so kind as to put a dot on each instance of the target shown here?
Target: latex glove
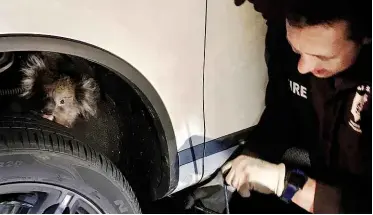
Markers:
(249, 173)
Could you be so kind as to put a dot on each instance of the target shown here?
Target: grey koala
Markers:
(65, 95)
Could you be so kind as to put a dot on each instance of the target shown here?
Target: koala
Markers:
(66, 95)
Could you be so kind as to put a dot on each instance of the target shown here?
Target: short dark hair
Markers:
(357, 13)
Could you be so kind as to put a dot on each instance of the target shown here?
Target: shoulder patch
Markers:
(358, 104)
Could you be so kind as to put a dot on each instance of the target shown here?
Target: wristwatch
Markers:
(294, 181)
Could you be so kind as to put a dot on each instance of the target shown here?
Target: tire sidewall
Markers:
(77, 175)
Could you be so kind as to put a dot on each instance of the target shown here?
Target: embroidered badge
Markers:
(360, 99)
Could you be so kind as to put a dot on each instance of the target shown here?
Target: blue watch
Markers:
(294, 181)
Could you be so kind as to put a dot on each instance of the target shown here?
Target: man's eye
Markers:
(324, 58)
(62, 102)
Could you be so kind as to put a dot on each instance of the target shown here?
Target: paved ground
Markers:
(257, 204)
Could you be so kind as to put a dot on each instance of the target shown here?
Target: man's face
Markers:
(324, 50)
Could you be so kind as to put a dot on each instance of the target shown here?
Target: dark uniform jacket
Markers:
(330, 118)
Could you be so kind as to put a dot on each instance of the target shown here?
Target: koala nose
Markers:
(50, 105)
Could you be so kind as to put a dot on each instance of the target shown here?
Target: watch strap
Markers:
(294, 181)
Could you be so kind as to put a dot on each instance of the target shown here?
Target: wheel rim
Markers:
(38, 198)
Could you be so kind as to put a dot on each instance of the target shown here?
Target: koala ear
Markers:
(31, 70)
(87, 96)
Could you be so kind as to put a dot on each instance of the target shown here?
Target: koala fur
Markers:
(65, 92)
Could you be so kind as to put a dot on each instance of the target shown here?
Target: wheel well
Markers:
(148, 155)
(140, 152)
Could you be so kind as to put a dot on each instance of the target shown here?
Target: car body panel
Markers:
(164, 41)
(235, 82)
(235, 72)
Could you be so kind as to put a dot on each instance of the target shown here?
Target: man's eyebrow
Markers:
(297, 51)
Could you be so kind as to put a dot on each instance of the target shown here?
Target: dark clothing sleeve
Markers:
(356, 189)
(352, 157)
(272, 135)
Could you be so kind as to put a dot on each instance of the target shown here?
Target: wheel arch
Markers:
(139, 83)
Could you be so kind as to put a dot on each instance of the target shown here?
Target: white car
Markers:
(186, 80)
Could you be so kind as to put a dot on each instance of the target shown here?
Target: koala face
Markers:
(60, 102)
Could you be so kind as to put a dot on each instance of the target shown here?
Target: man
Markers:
(319, 99)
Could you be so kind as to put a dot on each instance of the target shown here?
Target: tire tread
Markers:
(30, 133)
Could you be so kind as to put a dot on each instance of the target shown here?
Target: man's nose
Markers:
(306, 64)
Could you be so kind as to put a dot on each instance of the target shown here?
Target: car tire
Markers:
(38, 154)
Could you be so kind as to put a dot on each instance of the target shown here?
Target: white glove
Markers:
(249, 173)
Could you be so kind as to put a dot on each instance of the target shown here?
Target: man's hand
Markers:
(248, 173)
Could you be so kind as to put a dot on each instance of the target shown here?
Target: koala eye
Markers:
(62, 102)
